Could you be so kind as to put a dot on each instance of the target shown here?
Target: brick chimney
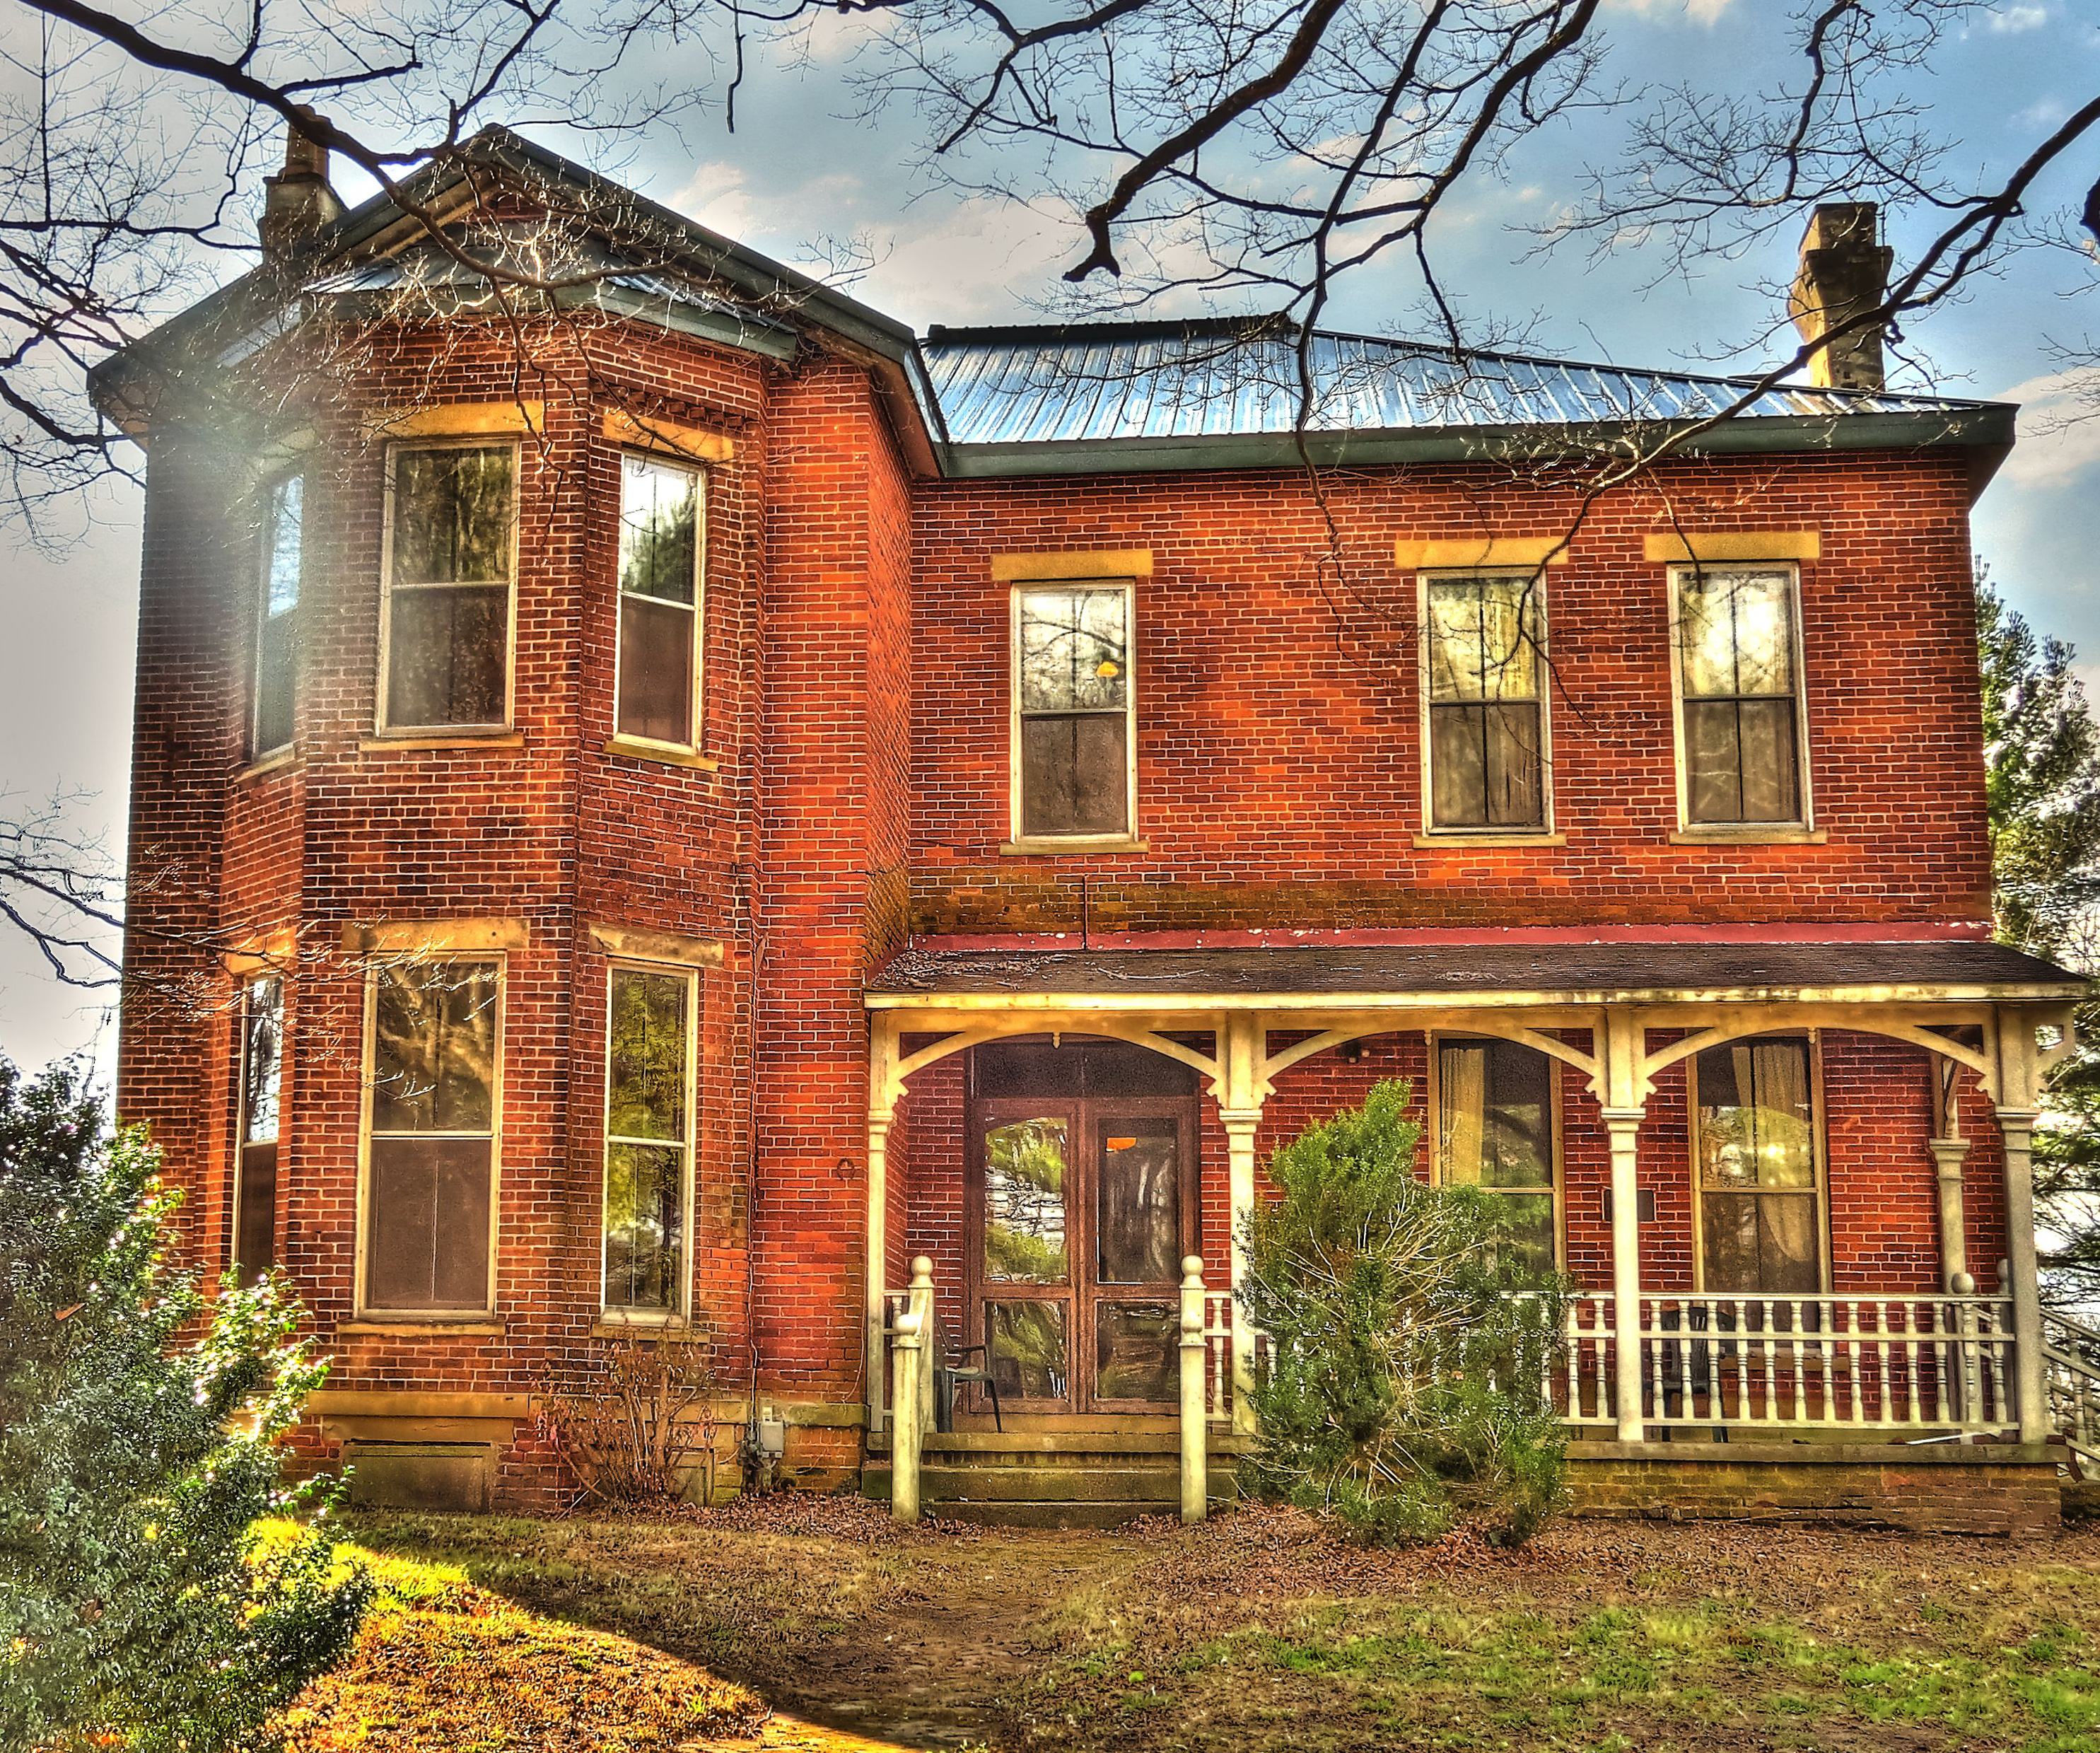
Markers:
(1844, 271)
(297, 202)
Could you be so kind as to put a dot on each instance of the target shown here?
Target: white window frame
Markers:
(1819, 1145)
(363, 1309)
(1127, 838)
(464, 732)
(1804, 766)
(681, 1313)
(265, 558)
(698, 728)
(1544, 829)
(1438, 1040)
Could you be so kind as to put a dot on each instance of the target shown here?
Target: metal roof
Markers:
(1110, 382)
(1570, 973)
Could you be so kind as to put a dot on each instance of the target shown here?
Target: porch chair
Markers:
(952, 1368)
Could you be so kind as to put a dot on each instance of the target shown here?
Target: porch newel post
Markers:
(2018, 1126)
(1623, 1127)
(1195, 1409)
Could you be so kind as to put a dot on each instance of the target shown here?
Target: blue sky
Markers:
(798, 169)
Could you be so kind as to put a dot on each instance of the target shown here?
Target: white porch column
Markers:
(1948, 1156)
(1240, 1124)
(1623, 1127)
(2018, 1126)
(883, 1090)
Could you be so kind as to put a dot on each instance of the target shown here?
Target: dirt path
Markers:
(931, 1673)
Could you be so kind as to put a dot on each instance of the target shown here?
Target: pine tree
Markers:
(2041, 753)
(141, 1605)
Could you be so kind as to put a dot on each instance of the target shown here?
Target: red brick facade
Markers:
(854, 792)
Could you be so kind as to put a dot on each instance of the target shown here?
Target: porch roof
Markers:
(1439, 974)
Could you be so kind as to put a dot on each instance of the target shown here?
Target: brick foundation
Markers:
(1949, 1488)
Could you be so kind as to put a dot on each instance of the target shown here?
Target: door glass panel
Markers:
(1025, 1163)
(1138, 1204)
(1028, 1349)
(1135, 1345)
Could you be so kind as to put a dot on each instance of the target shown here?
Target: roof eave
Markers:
(1934, 992)
(1985, 428)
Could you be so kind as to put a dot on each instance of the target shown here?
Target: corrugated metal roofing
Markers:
(1207, 379)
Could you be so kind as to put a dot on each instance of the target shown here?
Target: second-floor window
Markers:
(255, 1143)
(1738, 675)
(1487, 717)
(648, 1139)
(430, 1169)
(1074, 711)
(660, 601)
(446, 658)
(273, 692)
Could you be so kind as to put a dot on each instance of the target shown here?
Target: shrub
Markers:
(138, 1605)
(635, 1424)
(1402, 1389)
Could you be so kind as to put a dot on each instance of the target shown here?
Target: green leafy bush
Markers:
(138, 1425)
(1402, 1386)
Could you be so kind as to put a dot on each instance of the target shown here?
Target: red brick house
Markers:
(663, 833)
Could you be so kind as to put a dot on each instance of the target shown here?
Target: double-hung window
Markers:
(1074, 767)
(661, 542)
(255, 1142)
(1760, 1220)
(431, 1162)
(273, 688)
(648, 1139)
(1486, 706)
(451, 558)
(1738, 689)
(1495, 1128)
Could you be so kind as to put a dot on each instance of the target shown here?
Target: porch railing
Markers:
(2071, 1382)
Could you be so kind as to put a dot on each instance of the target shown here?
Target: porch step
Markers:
(1050, 1485)
(1097, 1516)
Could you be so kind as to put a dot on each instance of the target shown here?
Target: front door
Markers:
(1082, 1203)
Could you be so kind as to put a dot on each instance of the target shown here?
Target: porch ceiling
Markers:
(1435, 975)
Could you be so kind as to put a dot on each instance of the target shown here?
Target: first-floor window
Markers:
(1760, 1227)
(1739, 678)
(255, 1146)
(648, 1139)
(1074, 702)
(1495, 1129)
(430, 1184)
(1487, 717)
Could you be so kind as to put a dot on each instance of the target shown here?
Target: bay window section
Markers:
(255, 1145)
(648, 1140)
(1759, 1217)
(1739, 680)
(1495, 1128)
(429, 1190)
(660, 550)
(1074, 712)
(1486, 716)
(273, 688)
(451, 556)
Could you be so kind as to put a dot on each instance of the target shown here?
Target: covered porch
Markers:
(1802, 1168)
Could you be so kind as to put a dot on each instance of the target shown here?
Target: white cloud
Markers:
(1699, 11)
(2014, 20)
(2059, 428)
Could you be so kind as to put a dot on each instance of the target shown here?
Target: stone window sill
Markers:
(1069, 849)
(614, 1326)
(1750, 837)
(276, 761)
(1464, 842)
(663, 754)
(491, 739)
(376, 1328)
